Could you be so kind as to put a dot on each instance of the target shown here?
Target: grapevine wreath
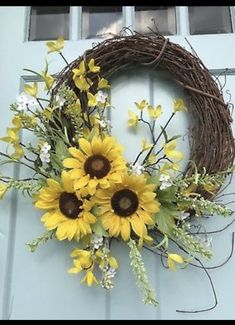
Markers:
(89, 193)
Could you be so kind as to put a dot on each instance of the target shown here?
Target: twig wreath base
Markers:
(211, 142)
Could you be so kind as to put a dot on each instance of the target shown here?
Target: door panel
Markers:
(37, 286)
(9, 70)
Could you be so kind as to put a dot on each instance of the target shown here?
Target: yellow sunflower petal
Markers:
(138, 226)
(115, 177)
(145, 217)
(52, 221)
(71, 163)
(77, 154)
(67, 182)
(89, 217)
(91, 190)
(104, 183)
(81, 182)
(61, 233)
(102, 194)
(93, 183)
(85, 146)
(45, 216)
(114, 228)
(152, 207)
(77, 173)
(49, 197)
(46, 205)
(105, 208)
(54, 185)
(125, 230)
(107, 145)
(96, 145)
(78, 234)
(84, 228)
(147, 196)
(66, 230)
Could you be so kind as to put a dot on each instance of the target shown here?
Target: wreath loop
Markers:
(211, 142)
(87, 189)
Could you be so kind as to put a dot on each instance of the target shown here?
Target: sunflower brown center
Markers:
(124, 202)
(69, 205)
(97, 166)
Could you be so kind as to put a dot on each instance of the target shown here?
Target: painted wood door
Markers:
(37, 286)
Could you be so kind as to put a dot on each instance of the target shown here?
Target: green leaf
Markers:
(165, 218)
(34, 72)
(56, 162)
(91, 134)
(164, 134)
(154, 179)
(164, 242)
(175, 137)
(167, 195)
(37, 163)
(99, 230)
(95, 210)
(61, 150)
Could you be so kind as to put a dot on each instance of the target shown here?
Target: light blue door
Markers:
(37, 286)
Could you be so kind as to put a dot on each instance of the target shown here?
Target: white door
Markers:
(37, 286)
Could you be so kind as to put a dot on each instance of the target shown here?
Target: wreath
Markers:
(89, 192)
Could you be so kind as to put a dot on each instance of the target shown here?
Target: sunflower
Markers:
(99, 162)
(68, 212)
(127, 206)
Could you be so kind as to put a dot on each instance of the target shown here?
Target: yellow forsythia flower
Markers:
(152, 158)
(146, 145)
(92, 67)
(82, 83)
(80, 70)
(3, 189)
(190, 190)
(76, 269)
(31, 90)
(92, 101)
(47, 113)
(209, 187)
(103, 83)
(146, 239)
(172, 259)
(141, 105)
(89, 278)
(12, 135)
(19, 152)
(55, 46)
(154, 112)
(16, 121)
(133, 120)
(48, 79)
(179, 105)
(170, 152)
(113, 262)
(169, 166)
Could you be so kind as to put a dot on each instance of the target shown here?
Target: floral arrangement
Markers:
(91, 195)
